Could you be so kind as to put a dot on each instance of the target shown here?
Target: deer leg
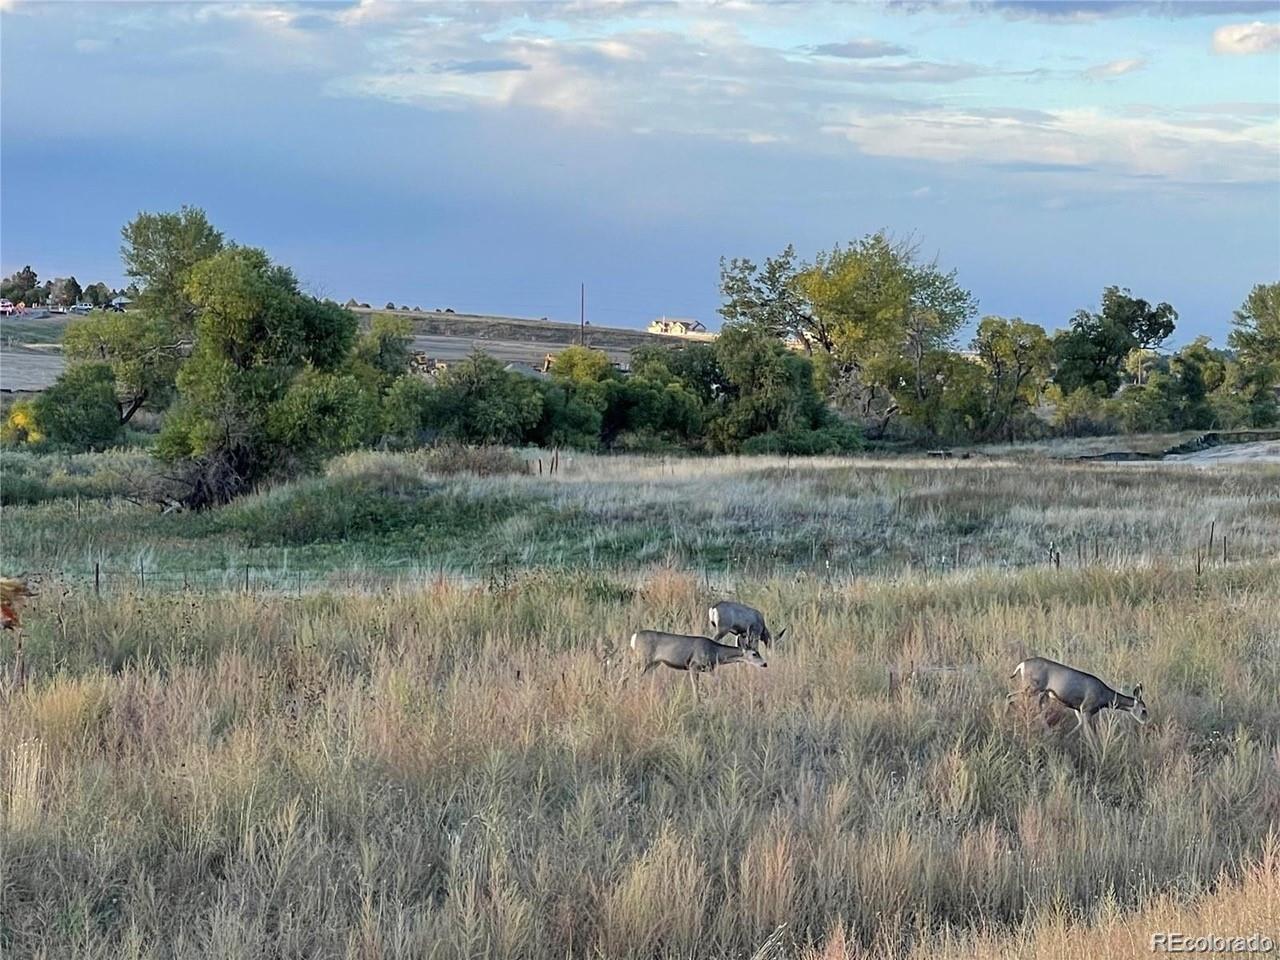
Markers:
(721, 633)
(693, 682)
(1079, 722)
(647, 667)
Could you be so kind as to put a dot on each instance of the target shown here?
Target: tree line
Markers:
(882, 329)
(251, 378)
(24, 286)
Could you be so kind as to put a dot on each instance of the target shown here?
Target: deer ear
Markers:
(1137, 691)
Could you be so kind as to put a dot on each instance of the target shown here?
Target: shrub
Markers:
(79, 411)
(837, 438)
(20, 427)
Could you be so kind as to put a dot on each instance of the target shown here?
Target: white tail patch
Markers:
(714, 618)
(633, 640)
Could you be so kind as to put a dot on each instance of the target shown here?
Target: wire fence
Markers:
(501, 573)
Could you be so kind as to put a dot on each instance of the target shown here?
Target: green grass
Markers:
(399, 515)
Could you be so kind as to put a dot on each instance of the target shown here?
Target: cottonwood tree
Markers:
(140, 350)
(879, 306)
(1016, 355)
(255, 333)
(159, 251)
(146, 345)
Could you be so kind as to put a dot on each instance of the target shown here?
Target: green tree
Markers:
(385, 348)
(693, 366)
(769, 298)
(159, 251)
(583, 365)
(1016, 355)
(322, 414)
(21, 286)
(139, 348)
(98, 294)
(877, 305)
(569, 418)
(254, 333)
(1095, 348)
(768, 389)
(474, 401)
(1256, 333)
(79, 410)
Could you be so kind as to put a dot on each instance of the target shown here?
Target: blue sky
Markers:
(491, 156)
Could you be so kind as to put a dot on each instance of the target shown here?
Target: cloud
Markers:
(911, 71)
(1116, 68)
(1073, 141)
(865, 48)
(1088, 11)
(1243, 38)
(480, 66)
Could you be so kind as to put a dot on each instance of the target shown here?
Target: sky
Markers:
(492, 156)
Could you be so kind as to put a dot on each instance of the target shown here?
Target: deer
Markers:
(745, 623)
(1080, 692)
(694, 654)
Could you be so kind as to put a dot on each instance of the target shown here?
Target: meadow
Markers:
(433, 744)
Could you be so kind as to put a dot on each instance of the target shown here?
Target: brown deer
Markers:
(695, 654)
(1080, 692)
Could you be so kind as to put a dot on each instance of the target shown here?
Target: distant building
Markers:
(121, 302)
(677, 327)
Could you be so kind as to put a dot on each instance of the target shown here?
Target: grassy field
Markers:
(432, 765)
(384, 517)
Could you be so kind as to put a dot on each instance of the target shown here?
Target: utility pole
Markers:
(582, 316)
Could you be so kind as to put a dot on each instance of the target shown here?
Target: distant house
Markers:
(121, 302)
(677, 327)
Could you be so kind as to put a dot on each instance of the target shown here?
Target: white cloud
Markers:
(1084, 141)
(1242, 38)
(1116, 68)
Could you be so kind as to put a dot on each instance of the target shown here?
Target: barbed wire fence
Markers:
(104, 578)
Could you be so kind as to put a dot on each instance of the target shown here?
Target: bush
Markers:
(837, 438)
(20, 427)
(79, 411)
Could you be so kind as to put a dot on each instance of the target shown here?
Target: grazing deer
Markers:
(1076, 690)
(745, 623)
(695, 654)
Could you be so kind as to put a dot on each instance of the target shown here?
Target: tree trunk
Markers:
(134, 405)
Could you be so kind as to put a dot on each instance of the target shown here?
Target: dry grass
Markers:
(398, 516)
(448, 770)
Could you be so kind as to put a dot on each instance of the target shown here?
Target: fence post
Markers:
(97, 578)
(246, 578)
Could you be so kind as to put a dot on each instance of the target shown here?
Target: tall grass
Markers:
(455, 770)
(405, 515)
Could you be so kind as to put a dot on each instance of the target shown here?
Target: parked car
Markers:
(7, 309)
(81, 308)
